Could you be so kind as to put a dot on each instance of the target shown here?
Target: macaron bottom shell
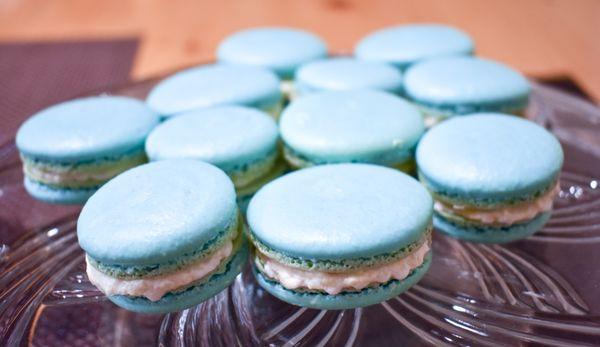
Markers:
(345, 300)
(53, 195)
(191, 296)
(490, 234)
(298, 161)
(433, 115)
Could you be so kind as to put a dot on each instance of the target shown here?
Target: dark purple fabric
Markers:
(36, 75)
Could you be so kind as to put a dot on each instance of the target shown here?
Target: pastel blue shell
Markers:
(280, 49)
(352, 126)
(86, 129)
(342, 211)
(465, 80)
(156, 212)
(489, 157)
(214, 85)
(404, 45)
(347, 74)
(226, 136)
(53, 195)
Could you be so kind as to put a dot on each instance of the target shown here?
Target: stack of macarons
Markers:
(348, 227)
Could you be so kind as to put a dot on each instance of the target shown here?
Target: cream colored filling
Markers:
(334, 283)
(289, 89)
(80, 176)
(156, 287)
(504, 215)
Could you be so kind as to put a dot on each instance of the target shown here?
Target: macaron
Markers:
(280, 49)
(340, 236)
(493, 176)
(452, 86)
(347, 74)
(405, 45)
(69, 150)
(241, 141)
(364, 126)
(215, 85)
(163, 236)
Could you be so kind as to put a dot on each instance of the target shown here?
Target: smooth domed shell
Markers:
(341, 211)
(348, 74)
(489, 156)
(226, 136)
(279, 49)
(465, 80)
(214, 85)
(86, 129)
(344, 126)
(156, 212)
(404, 45)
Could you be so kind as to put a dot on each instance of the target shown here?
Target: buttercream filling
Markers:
(288, 89)
(503, 215)
(154, 288)
(82, 175)
(335, 283)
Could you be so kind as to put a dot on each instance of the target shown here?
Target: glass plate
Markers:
(544, 290)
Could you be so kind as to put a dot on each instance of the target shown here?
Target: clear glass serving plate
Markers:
(544, 290)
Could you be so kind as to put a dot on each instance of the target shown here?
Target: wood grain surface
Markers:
(542, 38)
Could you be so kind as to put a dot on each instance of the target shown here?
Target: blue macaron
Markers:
(364, 126)
(452, 86)
(347, 74)
(280, 49)
(313, 232)
(163, 236)
(405, 45)
(493, 176)
(70, 149)
(241, 141)
(215, 85)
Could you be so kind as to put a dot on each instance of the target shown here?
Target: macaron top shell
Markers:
(213, 85)
(406, 44)
(348, 74)
(465, 80)
(341, 211)
(156, 212)
(86, 129)
(339, 126)
(279, 49)
(226, 136)
(489, 156)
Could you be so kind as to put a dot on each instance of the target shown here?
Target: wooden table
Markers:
(543, 38)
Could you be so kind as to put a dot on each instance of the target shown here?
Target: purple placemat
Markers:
(35, 76)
